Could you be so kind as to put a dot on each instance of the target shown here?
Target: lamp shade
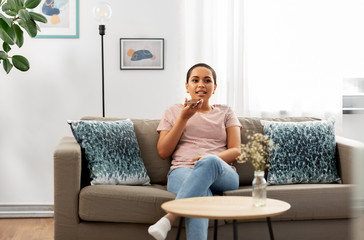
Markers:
(102, 12)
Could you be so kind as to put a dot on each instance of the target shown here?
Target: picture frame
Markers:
(141, 53)
(62, 16)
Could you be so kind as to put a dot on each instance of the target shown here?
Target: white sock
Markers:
(160, 229)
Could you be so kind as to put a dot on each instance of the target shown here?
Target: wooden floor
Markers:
(43, 229)
(27, 229)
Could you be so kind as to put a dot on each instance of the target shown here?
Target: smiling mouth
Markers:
(201, 92)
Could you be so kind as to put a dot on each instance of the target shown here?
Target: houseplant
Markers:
(257, 151)
(16, 15)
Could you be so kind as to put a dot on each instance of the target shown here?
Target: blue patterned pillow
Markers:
(305, 153)
(112, 152)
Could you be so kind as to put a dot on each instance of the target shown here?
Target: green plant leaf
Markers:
(21, 63)
(3, 55)
(38, 17)
(7, 20)
(29, 26)
(7, 33)
(6, 47)
(24, 14)
(7, 65)
(19, 3)
(38, 28)
(10, 8)
(19, 36)
(32, 3)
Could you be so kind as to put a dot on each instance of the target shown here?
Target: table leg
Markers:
(179, 227)
(270, 228)
(215, 229)
(235, 229)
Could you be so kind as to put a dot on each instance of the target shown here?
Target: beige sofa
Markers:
(318, 211)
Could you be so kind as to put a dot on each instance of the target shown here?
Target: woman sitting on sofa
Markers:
(203, 141)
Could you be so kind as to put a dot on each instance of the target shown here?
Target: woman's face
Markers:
(201, 84)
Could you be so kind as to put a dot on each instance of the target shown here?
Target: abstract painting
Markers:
(141, 53)
(62, 16)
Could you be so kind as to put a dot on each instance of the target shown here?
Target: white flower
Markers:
(258, 151)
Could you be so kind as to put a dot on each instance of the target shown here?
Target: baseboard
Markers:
(26, 210)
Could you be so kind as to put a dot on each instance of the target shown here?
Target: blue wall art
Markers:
(141, 53)
(62, 16)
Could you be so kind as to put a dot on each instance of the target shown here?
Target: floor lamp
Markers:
(102, 13)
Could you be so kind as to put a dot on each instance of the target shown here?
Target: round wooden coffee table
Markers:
(225, 207)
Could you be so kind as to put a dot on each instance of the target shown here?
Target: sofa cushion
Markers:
(308, 201)
(145, 131)
(246, 171)
(142, 204)
(147, 136)
(305, 152)
(121, 203)
(112, 152)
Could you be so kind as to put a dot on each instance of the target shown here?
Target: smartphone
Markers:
(193, 102)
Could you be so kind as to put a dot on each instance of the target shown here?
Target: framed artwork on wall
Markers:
(62, 16)
(141, 53)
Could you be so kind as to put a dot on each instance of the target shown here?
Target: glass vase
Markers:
(259, 192)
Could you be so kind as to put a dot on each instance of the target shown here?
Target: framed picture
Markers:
(141, 53)
(62, 16)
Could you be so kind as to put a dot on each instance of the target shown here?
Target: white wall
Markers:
(64, 82)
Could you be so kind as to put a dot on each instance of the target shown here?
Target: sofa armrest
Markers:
(349, 153)
(67, 181)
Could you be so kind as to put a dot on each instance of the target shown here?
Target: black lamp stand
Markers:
(102, 33)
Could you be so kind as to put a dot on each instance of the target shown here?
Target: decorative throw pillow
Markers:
(112, 152)
(305, 153)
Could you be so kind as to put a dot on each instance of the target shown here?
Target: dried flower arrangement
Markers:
(257, 150)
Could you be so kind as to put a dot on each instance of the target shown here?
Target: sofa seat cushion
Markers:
(121, 203)
(308, 201)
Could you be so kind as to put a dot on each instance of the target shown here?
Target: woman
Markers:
(203, 141)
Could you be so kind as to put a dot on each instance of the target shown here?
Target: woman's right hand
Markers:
(190, 109)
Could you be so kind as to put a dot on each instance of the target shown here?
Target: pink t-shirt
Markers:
(205, 133)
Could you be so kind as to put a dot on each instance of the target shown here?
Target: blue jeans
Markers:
(210, 174)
